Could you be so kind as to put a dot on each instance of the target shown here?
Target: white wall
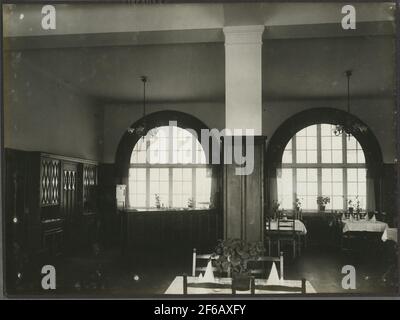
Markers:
(118, 118)
(43, 114)
(378, 114)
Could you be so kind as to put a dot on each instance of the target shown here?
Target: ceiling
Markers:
(303, 57)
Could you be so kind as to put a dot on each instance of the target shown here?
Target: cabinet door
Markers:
(49, 182)
(69, 191)
(89, 192)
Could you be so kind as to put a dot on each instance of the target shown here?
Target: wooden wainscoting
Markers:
(170, 231)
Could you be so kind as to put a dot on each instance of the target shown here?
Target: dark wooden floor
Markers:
(113, 275)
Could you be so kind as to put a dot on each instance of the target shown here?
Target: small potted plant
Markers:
(158, 202)
(275, 209)
(322, 202)
(297, 209)
(190, 203)
(233, 256)
(350, 206)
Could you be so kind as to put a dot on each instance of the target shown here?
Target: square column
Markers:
(243, 77)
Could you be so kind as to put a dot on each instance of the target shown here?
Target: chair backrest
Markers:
(253, 286)
(283, 288)
(199, 262)
(268, 223)
(298, 215)
(286, 225)
(208, 286)
(259, 267)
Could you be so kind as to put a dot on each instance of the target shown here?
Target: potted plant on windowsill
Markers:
(233, 256)
(322, 202)
(297, 205)
(158, 203)
(191, 203)
(276, 211)
(350, 206)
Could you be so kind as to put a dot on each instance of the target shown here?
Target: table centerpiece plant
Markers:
(350, 206)
(276, 210)
(322, 202)
(233, 257)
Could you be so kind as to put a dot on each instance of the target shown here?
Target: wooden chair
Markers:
(200, 261)
(253, 286)
(283, 288)
(259, 269)
(210, 286)
(270, 236)
(287, 233)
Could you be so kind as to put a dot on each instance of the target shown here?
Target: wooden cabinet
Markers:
(47, 199)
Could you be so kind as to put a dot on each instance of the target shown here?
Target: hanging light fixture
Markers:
(350, 126)
(141, 129)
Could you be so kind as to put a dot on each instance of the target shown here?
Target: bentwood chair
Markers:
(199, 263)
(287, 233)
(283, 288)
(260, 266)
(270, 236)
(225, 288)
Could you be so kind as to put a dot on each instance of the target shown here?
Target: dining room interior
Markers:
(125, 145)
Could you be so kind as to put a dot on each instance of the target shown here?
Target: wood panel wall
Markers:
(163, 231)
(244, 199)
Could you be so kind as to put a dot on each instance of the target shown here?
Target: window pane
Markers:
(137, 187)
(333, 152)
(181, 187)
(307, 187)
(306, 145)
(287, 157)
(332, 187)
(203, 188)
(301, 143)
(351, 156)
(311, 156)
(326, 143)
(326, 156)
(175, 146)
(301, 156)
(159, 187)
(337, 156)
(285, 188)
(355, 153)
(357, 186)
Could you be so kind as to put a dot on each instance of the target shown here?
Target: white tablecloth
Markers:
(389, 234)
(363, 226)
(298, 226)
(176, 287)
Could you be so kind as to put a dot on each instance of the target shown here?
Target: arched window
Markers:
(316, 163)
(168, 170)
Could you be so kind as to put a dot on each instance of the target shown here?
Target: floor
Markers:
(111, 275)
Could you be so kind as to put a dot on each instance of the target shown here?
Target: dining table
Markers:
(176, 286)
(363, 225)
(389, 234)
(298, 226)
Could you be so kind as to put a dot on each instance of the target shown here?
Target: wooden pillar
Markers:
(244, 198)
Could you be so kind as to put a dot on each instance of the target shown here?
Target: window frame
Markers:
(319, 165)
(170, 166)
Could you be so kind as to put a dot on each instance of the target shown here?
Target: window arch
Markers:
(316, 163)
(168, 169)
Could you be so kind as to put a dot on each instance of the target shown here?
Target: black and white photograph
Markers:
(191, 150)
